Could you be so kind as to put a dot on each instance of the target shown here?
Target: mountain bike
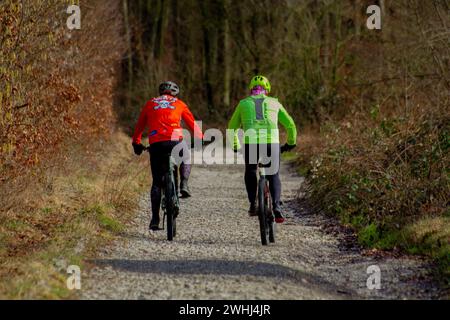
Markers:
(170, 203)
(267, 225)
(266, 218)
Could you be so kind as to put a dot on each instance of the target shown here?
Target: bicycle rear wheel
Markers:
(169, 194)
(262, 213)
(272, 231)
(269, 214)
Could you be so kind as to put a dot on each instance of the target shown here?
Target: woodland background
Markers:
(372, 107)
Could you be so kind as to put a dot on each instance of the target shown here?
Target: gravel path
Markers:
(217, 254)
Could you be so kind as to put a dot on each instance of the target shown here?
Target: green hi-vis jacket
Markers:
(258, 116)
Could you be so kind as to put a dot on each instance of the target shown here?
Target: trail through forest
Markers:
(217, 254)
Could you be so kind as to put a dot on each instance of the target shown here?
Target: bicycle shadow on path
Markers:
(210, 267)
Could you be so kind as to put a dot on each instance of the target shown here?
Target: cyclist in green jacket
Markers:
(258, 115)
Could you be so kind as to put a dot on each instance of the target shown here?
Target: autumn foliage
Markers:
(57, 94)
(56, 85)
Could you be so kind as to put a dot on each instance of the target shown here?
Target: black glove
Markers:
(287, 147)
(138, 148)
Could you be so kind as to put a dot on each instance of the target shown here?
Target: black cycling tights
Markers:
(269, 152)
(159, 153)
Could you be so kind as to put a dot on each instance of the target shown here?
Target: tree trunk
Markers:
(129, 53)
(207, 57)
(161, 29)
(154, 9)
(226, 59)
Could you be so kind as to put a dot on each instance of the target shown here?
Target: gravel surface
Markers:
(217, 253)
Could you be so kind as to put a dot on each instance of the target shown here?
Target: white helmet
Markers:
(169, 87)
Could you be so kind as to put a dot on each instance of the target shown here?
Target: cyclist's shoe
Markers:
(154, 224)
(252, 211)
(184, 189)
(278, 216)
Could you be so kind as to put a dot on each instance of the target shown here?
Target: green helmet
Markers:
(260, 81)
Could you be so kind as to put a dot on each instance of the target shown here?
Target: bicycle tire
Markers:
(262, 214)
(174, 227)
(269, 215)
(175, 203)
(169, 194)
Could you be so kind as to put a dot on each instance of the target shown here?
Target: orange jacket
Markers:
(163, 115)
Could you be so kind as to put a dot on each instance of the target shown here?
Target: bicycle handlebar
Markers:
(147, 149)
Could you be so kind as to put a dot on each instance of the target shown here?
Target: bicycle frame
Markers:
(170, 201)
(169, 197)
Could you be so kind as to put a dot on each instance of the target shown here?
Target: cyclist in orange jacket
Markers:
(162, 116)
